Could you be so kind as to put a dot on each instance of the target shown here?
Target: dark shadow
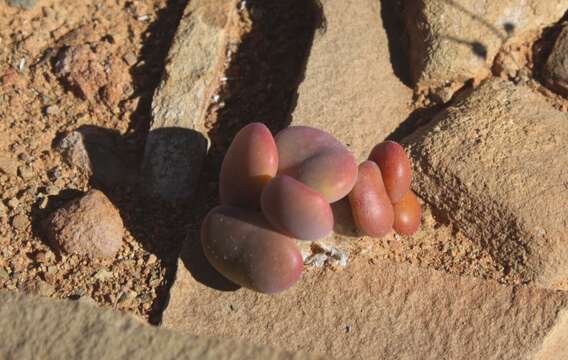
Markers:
(541, 51)
(196, 263)
(261, 85)
(151, 63)
(477, 48)
(392, 19)
(415, 120)
(111, 164)
(343, 219)
(509, 28)
(264, 75)
(160, 227)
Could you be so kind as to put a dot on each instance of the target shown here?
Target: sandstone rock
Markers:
(48, 329)
(381, 311)
(452, 41)
(176, 145)
(89, 225)
(350, 88)
(96, 151)
(556, 69)
(495, 163)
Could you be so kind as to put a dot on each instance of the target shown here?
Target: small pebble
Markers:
(52, 110)
(52, 190)
(103, 275)
(25, 172)
(43, 203)
(152, 259)
(20, 222)
(55, 174)
(25, 157)
(130, 58)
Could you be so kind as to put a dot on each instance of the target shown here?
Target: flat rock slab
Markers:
(40, 328)
(381, 311)
(457, 40)
(350, 88)
(177, 143)
(494, 163)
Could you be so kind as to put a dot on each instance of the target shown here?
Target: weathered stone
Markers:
(72, 147)
(381, 311)
(89, 225)
(350, 89)
(48, 329)
(97, 152)
(556, 69)
(452, 41)
(495, 164)
(176, 145)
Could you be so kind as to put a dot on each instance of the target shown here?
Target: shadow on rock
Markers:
(99, 152)
(343, 219)
(197, 264)
(391, 15)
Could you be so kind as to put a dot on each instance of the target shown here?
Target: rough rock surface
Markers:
(73, 149)
(452, 41)
(556, 69)
(47, 329)
(88, 225)
(350, 88)
(495, 163)
(95, 151)
(176, 145)
(381, 311)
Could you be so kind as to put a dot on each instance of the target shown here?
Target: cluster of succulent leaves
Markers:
(276, 190)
